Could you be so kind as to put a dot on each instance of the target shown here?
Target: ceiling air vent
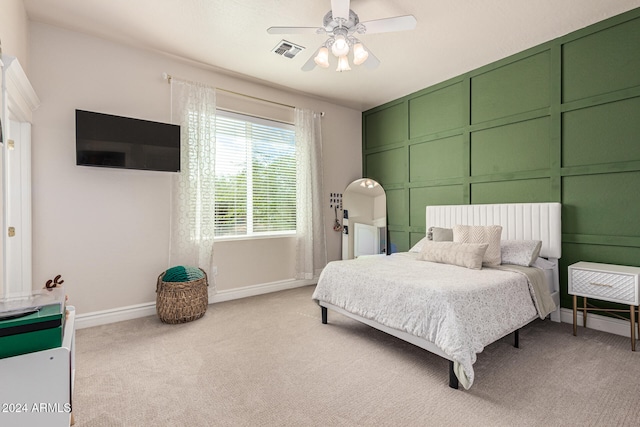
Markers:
(287, 49)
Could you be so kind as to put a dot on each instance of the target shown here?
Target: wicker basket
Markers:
(181, 302)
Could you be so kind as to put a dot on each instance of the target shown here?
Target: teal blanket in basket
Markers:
(182, 273)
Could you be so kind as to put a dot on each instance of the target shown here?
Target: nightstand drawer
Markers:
(607, 286)
(616, 283)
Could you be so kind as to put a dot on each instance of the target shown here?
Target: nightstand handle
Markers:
(601, 284)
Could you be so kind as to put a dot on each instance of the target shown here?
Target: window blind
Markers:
(255, 176)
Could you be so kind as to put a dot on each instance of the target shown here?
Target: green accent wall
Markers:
(559, 122)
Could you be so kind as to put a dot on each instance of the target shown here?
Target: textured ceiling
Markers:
(451, 37)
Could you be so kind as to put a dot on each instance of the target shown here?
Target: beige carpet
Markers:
(269, 361)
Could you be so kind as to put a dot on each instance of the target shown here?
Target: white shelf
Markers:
(37, 387)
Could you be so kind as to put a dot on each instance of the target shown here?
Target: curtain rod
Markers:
(169, 77)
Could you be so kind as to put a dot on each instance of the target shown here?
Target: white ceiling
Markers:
(451, 37)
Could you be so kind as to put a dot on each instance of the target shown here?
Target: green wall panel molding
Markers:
(437, 111)
(386, 126)
(557, 122)
(602, 204)
(397, 208)
(387, 167)
(420, 197)
(602, 62)
(514, 88)
(520, 191)
(630, 166)
(511, 176)
(572, 253)
(594, 239)
(523, 146)
(515, 118)
(607, 133)
(438, 159)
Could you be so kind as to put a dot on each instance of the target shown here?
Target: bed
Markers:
(444, 307)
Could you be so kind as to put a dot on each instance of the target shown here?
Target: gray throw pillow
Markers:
(439, 234)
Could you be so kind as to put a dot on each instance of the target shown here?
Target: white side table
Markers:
(606, 282)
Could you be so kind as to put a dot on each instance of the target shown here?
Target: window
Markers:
(255, 176)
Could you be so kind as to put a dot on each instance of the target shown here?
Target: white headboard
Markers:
(519, 221)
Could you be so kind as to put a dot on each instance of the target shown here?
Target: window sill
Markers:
(255, 237)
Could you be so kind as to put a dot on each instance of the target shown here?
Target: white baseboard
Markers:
(598, 322)
(113, 315)
(253, 290)
(119, 314)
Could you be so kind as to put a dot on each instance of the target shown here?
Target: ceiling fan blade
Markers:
(295, 30)
(372, 61)
(311, 63)
(340, 9)
(387, 25)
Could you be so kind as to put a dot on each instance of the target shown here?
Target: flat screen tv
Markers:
(123, 142)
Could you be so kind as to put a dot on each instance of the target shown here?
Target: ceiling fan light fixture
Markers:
(360, 54)
(340, 24)
(343, 64)
(340, 46)
(322, 58)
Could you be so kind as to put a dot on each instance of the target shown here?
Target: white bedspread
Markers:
(458, 309)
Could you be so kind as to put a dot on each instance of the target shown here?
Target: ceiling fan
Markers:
(341, 24)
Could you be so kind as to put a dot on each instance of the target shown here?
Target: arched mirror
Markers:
(364, 222)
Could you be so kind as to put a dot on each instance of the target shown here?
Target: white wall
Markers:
(107, 230)
(14, 31)
(380, 210)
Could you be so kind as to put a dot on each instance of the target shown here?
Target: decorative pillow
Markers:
(489, 234)
(418, 246)
(520, 252)
(467, 255)
(439, 234)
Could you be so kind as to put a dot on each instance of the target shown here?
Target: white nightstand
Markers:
(606, 282)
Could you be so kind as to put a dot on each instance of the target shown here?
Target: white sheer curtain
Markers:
(193, 107)
(310, 233)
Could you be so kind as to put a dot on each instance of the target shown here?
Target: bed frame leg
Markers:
(453, 380)
(516, 338)
(324, 315)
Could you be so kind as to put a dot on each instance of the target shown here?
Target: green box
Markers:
(42, 329)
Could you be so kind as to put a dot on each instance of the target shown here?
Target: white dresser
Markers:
(606, 282)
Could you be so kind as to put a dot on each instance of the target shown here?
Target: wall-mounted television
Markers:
(122, 142)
